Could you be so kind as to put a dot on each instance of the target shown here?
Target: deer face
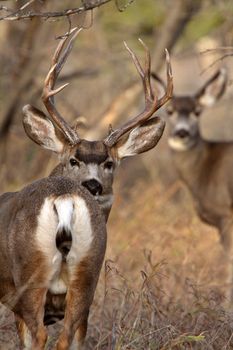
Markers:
(92, 165)
(183, 122)
(184, 111)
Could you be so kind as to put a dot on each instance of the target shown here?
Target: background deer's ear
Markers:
(41, 130)
(140, 139)
(213, 89)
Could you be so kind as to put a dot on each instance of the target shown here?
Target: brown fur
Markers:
(206, 168)
(25, 269)
(207, 171)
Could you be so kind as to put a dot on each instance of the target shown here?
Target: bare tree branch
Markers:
(227, 51)
(18, 15)
(173, 28)
(23, 49)
(216, 50)
(216, 61)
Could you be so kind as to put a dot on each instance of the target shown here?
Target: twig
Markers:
(4, 8)
(16, 13)
(215, 50)
(124, 7)
(216, 61)
(145, 335)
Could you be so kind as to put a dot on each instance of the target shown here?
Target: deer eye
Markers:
(108, 165)
(74, 162)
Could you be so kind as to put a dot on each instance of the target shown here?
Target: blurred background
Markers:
(163, 283)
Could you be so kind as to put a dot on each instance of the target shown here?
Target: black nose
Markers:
(182, 133)
(93, 186)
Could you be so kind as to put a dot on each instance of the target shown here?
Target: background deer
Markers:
(205, 167)
(53, 235)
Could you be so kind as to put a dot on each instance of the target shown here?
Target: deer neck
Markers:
(190, 164)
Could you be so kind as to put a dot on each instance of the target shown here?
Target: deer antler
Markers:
(58, 61)
(152, 104)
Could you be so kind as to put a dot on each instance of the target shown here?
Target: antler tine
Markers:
(74, 32)
(169, 90)
(144, 73)
(49, 92)
(152, 104)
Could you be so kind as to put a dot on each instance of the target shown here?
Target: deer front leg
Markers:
(226, 232)
(75, 322)
(23, 333)
(80, 335)
(31, 319)
(65, 342)
(78, 301)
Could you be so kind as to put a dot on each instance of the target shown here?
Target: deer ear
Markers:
(140, 139)
(213, 89)
(41, 130)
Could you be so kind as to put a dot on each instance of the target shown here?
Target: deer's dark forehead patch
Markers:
(184, 104)
(91, 152)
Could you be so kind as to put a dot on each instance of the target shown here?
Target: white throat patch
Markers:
(178, 144)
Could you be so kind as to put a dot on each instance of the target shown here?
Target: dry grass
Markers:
(144, 318)
(170, 290)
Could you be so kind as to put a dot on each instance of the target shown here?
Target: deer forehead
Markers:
(94, 152)
(183, 104)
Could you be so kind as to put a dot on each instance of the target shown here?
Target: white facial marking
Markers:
(93, 171)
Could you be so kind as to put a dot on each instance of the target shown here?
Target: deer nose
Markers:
(93, 186)
(182, 133)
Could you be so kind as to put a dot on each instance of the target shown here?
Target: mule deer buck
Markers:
(53, 234)
(205, 167)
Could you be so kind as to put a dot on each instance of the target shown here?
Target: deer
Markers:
(205, 167)
(53, 231)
